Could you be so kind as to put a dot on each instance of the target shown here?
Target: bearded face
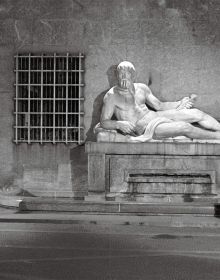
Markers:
(124, 78)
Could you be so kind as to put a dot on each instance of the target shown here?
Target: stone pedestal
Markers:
(154, 171)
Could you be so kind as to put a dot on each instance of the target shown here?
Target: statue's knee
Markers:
(198, 115)
(106, 136)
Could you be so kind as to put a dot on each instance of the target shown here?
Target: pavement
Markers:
(49, 249)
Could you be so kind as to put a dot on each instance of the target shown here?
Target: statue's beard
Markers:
(124, 83)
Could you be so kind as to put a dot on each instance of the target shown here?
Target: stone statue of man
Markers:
(129, 101)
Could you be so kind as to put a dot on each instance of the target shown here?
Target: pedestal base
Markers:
(155, 172)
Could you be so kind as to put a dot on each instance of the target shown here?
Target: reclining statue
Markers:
(135, 122)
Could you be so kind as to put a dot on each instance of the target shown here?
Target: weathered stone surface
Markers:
(163, 198)
(35, 178)
(168, 147)
(79, 171)
(96, 172)
(48, 174)
(167, 181)
(120, 166)
(69, 205)
(50, 32)
(175, 44)
(128, 32)
(166, 209)
(157, 171)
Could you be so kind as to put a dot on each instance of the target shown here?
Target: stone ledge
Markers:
(162, 198)
(119, 208)
(108, 221)
(202, 147)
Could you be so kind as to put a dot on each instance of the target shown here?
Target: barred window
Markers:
(49, 98)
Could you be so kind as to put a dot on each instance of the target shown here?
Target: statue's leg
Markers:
(191, 116)
(173, 129)
(210, 123)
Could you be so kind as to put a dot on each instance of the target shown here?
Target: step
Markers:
(161, 198)
(118, 208)
(89, 220)
(111, 221)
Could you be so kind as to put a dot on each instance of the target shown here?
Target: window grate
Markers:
(49, 99)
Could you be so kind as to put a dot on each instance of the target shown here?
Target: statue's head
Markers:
(126, 74)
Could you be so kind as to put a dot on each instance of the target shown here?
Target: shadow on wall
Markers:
(78, 157)
(97, 105)
(79, 173)
(154, 83)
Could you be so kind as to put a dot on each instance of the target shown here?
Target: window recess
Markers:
(49, 98)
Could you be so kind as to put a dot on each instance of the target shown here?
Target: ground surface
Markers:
(32, 251)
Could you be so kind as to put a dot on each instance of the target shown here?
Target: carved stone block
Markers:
(155, 171)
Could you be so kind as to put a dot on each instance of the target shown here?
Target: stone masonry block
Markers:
(96, 173)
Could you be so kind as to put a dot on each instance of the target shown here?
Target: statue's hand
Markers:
(187, 102)
(125, 126)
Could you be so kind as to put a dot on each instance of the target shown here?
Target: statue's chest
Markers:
(140, 97)
(129, 102)
(125, 103)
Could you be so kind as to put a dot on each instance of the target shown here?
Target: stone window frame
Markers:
(48, 103)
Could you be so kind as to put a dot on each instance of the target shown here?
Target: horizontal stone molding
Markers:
(200, 148)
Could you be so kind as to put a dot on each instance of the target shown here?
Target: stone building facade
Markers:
(173, 44)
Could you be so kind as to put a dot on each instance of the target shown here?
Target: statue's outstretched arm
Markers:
(158, 105)
(155, 103)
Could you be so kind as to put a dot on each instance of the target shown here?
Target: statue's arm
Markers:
(107, 113)
(158, 105)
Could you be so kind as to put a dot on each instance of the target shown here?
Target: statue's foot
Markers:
(132, 139)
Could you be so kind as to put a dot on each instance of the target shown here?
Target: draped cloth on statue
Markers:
(149, 130)
(114, 136)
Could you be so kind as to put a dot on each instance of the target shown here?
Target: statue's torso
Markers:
(130, 107)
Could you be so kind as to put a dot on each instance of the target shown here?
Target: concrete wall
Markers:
(174, 45)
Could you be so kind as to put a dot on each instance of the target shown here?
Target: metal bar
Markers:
(54, 97)
(38, 98)
(41, 103)
(49, 84)
(44, 70)
(51, 113)
(20, 126)
(62, 106)
(29, 92)
(67, 74)
(79, 115)
(50, 56)
(16, 102)
(46, 141)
